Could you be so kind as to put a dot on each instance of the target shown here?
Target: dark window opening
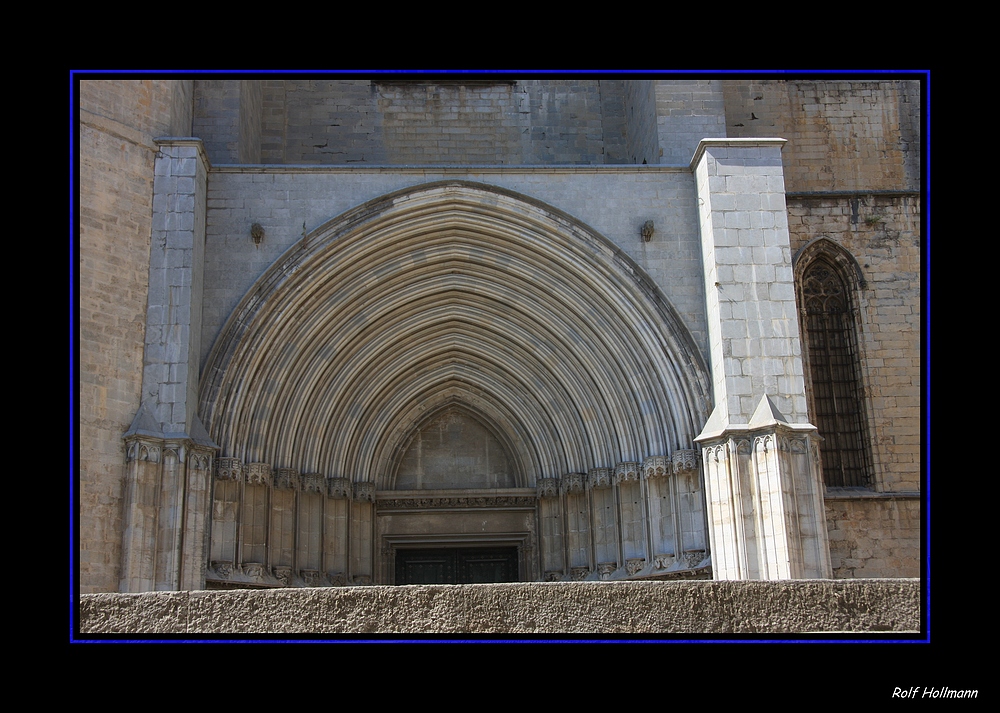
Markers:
(834, 365)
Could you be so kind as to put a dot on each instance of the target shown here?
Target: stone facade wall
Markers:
(878, 536)
(614, 122)
(687, 111)
(336, 122)
(851, 136)
(860, 138)
(251, 108)
(118, 119)
(321, 121)
(521, 608)
(874, 536)
(640, 115)
(450, 123)
(856, 137)
(217, 118)
(883, 234)
(552, 138)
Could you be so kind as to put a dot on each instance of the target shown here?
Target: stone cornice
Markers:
(737, 430)
(163, 141)
(734, 143)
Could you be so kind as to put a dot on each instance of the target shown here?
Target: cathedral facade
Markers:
(339, 331)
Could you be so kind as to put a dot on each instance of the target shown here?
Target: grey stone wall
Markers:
(623, 608)
(251, 98)
(216, 118)
(841, 135)
(687, 111)
(322, 121)
(325, 121)
(614, 121)
(287, 201)
(642, 145)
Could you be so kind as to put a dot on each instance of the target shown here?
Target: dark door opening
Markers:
(456, 565)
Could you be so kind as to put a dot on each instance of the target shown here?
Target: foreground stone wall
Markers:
(520, 608)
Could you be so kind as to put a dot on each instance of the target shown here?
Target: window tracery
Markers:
(831, 344)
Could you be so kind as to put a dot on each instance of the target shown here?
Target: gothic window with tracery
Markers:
(832, 349)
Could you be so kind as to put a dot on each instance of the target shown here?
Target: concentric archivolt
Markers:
(453, 293)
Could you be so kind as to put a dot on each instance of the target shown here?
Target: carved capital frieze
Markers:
(684, 460)
(254, 570)
(663, 561)
(223, 568)
(258, 473)
(600, 477)
(578, 574)
(312, 483)
(338, 488)
(574, 482)
(606, 569)
(311, 577)
(656, 467)
(286, 479)
(553, 576)
(629, 470)
(229, 469)
(364, 492)
(548, 487)
(692, 558)
(634, 565)
(337, 579)
(283, 574)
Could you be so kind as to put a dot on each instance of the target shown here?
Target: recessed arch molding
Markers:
(455, 352)
(453, 292)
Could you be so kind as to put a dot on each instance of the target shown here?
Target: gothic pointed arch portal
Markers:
(548, 348)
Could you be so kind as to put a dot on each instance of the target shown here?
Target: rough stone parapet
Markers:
(625, 608)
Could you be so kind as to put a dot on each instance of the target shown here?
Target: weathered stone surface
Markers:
(625, 608)
(145, 613)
